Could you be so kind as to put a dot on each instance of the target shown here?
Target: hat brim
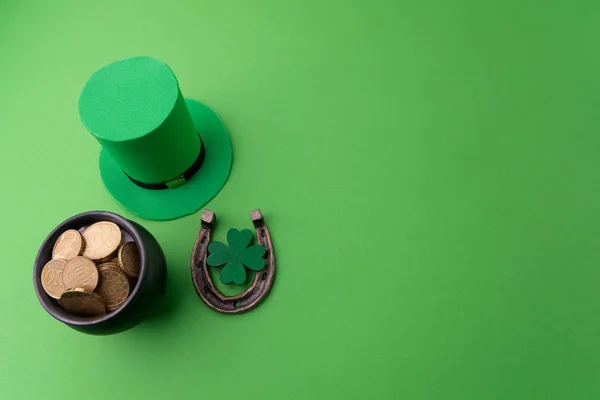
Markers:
(166, 204)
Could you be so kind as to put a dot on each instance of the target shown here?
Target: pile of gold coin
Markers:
(91, 272)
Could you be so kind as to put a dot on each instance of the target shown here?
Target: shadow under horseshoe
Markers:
(263, 280)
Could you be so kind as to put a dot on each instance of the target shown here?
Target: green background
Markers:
(429, 171)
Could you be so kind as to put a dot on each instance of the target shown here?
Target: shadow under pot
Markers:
(145, 291)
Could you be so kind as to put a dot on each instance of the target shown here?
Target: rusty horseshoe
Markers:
(205, 288)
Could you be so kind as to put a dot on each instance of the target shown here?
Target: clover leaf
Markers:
(236, 256)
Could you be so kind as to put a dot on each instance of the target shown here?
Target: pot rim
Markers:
(50, 305)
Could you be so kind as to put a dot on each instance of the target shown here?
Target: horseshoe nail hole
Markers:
(237, 303)
(203, 239)
(262, 233)
(206, 289)
(264, 276)
(266, 254)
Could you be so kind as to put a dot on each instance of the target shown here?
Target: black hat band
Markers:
(180, 180)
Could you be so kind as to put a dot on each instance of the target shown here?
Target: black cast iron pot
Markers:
(145, 295)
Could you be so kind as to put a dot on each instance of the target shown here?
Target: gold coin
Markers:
(80, 272)
(52, 280)
(107, 259)
(109, 264)
(69, 245)
(129, 259)
(102, 240)
(117, 267)
(113, 288)
(81, 302)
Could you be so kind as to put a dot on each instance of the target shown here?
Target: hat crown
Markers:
(135, 109)
(129, 98)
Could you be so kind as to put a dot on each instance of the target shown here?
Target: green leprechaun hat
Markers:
(162, 156)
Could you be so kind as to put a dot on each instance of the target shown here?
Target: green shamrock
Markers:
(236, 256)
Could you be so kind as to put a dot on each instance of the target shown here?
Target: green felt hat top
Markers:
(135, 109)
(150, 133)
(128, 99)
